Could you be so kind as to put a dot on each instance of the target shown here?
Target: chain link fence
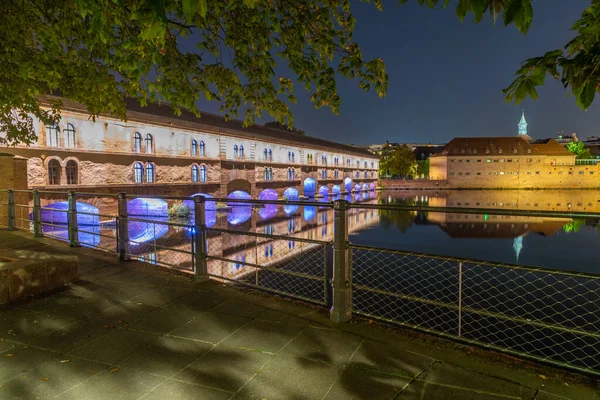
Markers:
(288, 265)
(549, 315)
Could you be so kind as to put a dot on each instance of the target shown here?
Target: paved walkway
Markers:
(131, 331)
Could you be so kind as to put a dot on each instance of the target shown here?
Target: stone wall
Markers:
(13, 175)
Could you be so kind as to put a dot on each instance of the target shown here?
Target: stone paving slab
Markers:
(134, 331)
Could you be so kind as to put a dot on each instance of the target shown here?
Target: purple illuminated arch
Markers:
(372, 186)
(365, 187)
(348, 184)
(238, 215)
(268, 211)
(239, 195)
(57, 213)
(357, 187)
(310, 185)
(324, 190)
(291, 194)
(268, 194)
(209, 205)
(335, 190)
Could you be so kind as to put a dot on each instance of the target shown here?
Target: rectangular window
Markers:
(478, 160)
(495, 160)
(460, 160)
(580, 172)
(479, 173)
(515, 173)
(451, 173)
(502, 160)
(501, 172)
(468, 160)
(570, 172)
(528, 172)
(467, 173)
(509, 160)
(537, 172)
(488, 160)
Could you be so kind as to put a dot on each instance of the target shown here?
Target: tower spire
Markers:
(522, 125)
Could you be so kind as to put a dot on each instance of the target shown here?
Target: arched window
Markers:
(270, 174)
(357, 174)
(289, 174)
(54, 170)
(235, 151)
(241, 152)
(270, 155)
(138, 172)
(324, 174)
(149, 173)
(202, 149)
(194, 148)
(137, 142)
(293, 160)
(293, 173)
(69, 133)
(195, 173)
(71, 171)
(372, 164)
(366, 174)
(266, 154)
(266, 176)
(366, 164)
(289, 156)
(203, 173)
(371, 174)
(357, 164)
(52, 135)
(149, 144)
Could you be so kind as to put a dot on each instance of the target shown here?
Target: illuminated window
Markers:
(241, 152)
(265, 155)
(138, 172)
(203, 173)
(54, 170)
(194, 149)
(149, 173)
(202, 149)
(235, 151)
(489, 160)
(195, 173)
(501, 172)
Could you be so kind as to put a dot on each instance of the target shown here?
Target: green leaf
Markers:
(586, 97)
(189, 8)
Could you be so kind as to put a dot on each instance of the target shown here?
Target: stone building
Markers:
(158, 152)
(510, 162)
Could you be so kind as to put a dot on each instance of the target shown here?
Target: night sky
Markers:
(446, 78)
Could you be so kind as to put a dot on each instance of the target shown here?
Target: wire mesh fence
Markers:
(288, 265)
(549, 315)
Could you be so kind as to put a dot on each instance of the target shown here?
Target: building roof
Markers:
(162, 114)
(488, 146)
(428, 151)
(551, 147)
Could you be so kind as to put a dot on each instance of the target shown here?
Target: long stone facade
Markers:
(510, 163)
(157, 152)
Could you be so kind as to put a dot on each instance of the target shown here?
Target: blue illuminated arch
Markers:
(291, 194)
(348, 184)
(335, 190)
(310, 185)
(147, 207)
(324, 190)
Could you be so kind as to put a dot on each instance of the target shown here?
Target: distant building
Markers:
(564, 140)
(426, 148)
(509, 162)
(424, 152)
(593, 144)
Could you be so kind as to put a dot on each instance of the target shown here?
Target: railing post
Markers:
(11, 210)
(72, 225)
(201, 270)
(37, 215)
(123, 226)
(341, 308)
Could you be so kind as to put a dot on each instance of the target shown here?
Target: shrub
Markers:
(179, 210)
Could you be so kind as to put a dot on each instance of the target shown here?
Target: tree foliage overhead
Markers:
(98, 52)
(579, 149)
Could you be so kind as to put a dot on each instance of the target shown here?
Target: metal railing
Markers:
(547, 315)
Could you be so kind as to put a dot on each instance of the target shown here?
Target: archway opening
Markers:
(291, 194)
(324, 190)
(348, 184)
(310, 185)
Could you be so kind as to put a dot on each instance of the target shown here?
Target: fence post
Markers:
(11, 210)
(341, 307)
(72, 224)
(37, 215)
(123, 226)
(201, 270)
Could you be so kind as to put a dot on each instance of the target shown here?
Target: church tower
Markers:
(523, 129)
(523, 125)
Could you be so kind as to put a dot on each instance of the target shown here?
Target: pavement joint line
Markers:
(344, 368)
(538, 391)
(269, 361)
(403, 388)
(469, 389)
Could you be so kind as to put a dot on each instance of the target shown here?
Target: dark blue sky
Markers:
(446, 78)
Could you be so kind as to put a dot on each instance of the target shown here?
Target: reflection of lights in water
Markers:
(291, 194)
(141, 232)
(268, 211)
(365, 195)
(239, 214)
(389, 199)
(289, 209)
(348, 184)
(147, 207)
(91, 236)
(309, 213)
(357, 197)
(61, 217)
(309, 187)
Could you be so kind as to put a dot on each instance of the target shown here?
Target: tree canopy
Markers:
(579, 149)
(398, 161)
(98, 52)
